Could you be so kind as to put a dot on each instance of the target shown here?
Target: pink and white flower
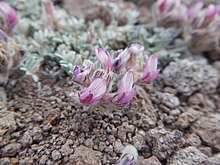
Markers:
(168, 11)
(127, 58)
(8, 15)
(94, 92)
(194, 10)
(150, 71)
(104, 58)
(126, 90)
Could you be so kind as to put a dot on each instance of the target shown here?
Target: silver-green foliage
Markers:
(76, 41)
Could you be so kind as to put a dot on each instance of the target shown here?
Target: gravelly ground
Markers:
(44, 126)
(174, 122)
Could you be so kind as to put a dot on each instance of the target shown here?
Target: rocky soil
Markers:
(42, 125)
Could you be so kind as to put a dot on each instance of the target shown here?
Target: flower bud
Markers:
(104, 58)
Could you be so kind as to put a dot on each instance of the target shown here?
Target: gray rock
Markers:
(52, 116)
(37, 117)
(109, 149)
(56, 155)
(5, 161)
(121, 133)
(167, 99)
(43, 160)
(190, 76)
(26, 139)
(150, 161)
(164, 143)
(193, 140)
(206, 150)
(215, 160)
(102, 146)
(7, 121)
(89, 143)
(38, 138)
(47, 127)
(208, 129)
(202, 100)
(187, 118)
(84, 155)
(37, 134)
(139, 142)
(118, 146)
(66, 150)
(25, 160)
(111, 139)
(3, 97)
(188, 156)
(11, 149)
(142, 113)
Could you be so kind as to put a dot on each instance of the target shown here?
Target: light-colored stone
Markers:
(85, 155)
(188, 156)
(208, 129)
(150, 161)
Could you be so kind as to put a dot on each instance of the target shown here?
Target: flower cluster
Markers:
(203, 26)
(167, 12)
(113, 82)
(196, 15)
(199, 22)
(8, 17)
(200, 17)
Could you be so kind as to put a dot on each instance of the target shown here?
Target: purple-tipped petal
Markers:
(151, 76)
(150, 71)
(163, 5)
(126, 91)
(211, 12)
(104, 58)
(85, 96)
(126, 97)
(76, 73)
(94, 92)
